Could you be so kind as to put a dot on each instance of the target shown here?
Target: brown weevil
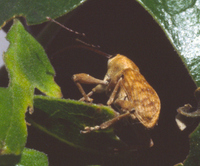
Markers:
(127, 90)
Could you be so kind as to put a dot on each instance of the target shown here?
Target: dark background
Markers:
(120, 26)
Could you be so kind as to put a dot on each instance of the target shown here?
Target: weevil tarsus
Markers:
(106, 124)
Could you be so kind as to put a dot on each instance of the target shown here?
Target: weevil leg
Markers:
(88, 95)
(125, 105)
(114, 120)
(113, 94)
(83, 78)
(98, 89)
(106, 124)
(85, 97)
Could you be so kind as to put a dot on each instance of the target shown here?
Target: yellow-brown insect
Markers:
(127, 90)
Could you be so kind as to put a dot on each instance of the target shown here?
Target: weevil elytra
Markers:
(127, 89)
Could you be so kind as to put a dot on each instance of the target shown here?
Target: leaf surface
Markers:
(31, 157)
(28, 68)
(180, 22)
(64, 120)
(36, 11)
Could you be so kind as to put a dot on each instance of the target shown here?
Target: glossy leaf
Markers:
(28, 67)
(64, 119)
(35, 11)
(180, 21)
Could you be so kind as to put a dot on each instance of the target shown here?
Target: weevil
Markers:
(127, 90)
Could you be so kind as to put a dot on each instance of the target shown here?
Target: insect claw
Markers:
(96, 127)
(83, 132)
(90, 100)
(88, 129)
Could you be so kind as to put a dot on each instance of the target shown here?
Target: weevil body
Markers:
(127, 89)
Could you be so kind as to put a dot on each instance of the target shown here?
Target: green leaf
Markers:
(35, 11)
(193, 157)
(64, 119)
(32, 157)
(29, 157)
(27, 58)
(28, 67)
(180, 22)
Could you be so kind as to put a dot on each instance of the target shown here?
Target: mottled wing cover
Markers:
(144, 97)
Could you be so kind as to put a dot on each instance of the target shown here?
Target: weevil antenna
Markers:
(93, 48)
(70, 30)
(88, 46)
